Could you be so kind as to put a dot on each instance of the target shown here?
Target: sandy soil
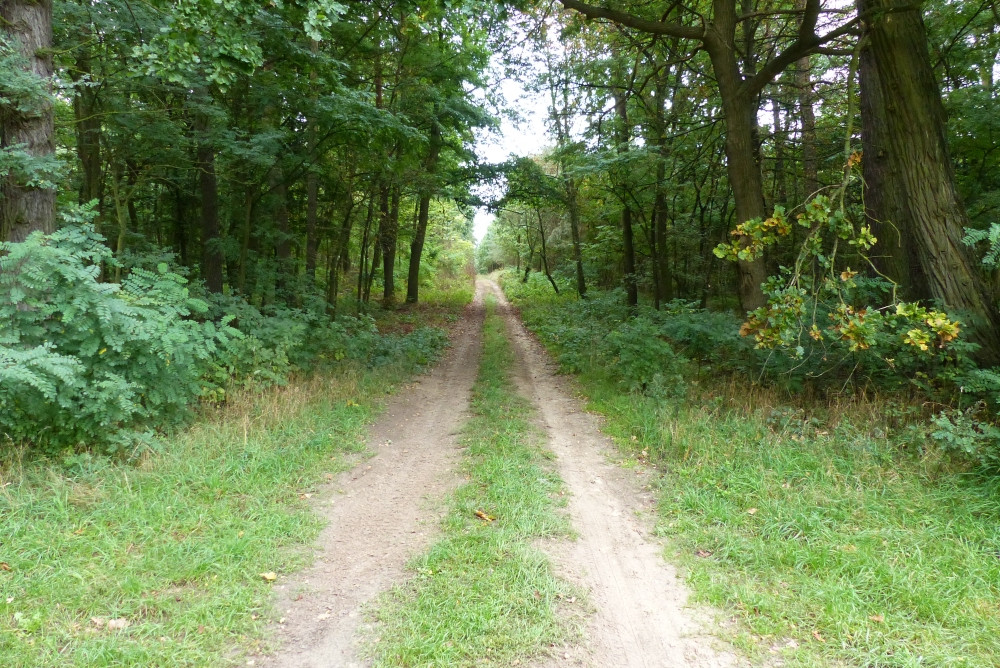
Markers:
(382, 513)
(387, 510)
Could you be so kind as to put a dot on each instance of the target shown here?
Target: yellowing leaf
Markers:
(270, 576)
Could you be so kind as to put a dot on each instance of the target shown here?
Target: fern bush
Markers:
(84, 362)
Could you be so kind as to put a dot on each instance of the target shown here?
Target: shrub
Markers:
(86, 362)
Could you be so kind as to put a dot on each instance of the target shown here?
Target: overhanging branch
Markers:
(636, 22)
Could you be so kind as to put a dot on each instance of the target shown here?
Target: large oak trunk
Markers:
(916, 151)
(24, 209)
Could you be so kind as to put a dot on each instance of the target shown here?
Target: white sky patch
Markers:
(523, 138)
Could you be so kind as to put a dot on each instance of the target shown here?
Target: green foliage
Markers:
(24, 93)
(598, 332)
(822, 310)
(642, 358)
(100, 365)
(966, 434)
(92, 363)
(991, 237)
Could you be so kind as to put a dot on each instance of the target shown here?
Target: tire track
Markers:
(376, 519)
(642, 619)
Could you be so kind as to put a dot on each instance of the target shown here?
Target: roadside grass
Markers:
(159, 562)
(483, 595)
(822, 532)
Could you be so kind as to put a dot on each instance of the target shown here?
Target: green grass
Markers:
(821, 534)
(483, 595)
(173, 547)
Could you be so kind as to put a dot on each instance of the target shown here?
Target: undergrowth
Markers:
(838, 530)
(483, 595)
(93, 366)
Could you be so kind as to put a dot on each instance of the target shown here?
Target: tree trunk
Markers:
(340, 249)
(312, 185)
(780, 194)
(895, 254)
(573, 205)
(740, 108)
(26, 209)
(283, 233)
(423, 215)
(628, 239)
(917, 152)
(312, 239)
(88, 128)
(545, 258)
(211, 248)
(363, 255)
(387, 242)
(810, 170)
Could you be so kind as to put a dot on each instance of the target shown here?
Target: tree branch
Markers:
(636, 22)
(806, 43)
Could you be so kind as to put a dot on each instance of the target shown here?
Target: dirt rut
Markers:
(641, 618)
(381, 513)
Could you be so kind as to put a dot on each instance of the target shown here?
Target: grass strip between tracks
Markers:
(483, 594)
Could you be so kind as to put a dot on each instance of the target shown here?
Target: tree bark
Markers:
(283, 233)
(740, 108)
(26, 209)
(895, 254)
(628, 238)
(388, 233)
(423, 215)
(545, 258)
(211, 249)
(337, 252)
(312, 184)
(88, 127)
(917, 152)
(810, 170)
(312, 239)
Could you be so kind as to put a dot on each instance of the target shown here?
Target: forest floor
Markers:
(387, 510)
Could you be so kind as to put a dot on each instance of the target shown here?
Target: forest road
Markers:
(387, 510)
(381, 513)
(642, 618)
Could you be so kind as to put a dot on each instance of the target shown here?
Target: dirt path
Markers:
(641, 615)
(381, 513)
(386, 511)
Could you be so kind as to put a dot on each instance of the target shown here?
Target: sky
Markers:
(526, 138)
